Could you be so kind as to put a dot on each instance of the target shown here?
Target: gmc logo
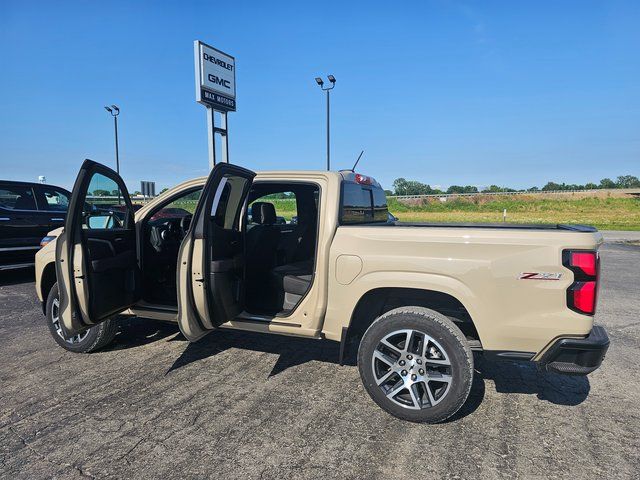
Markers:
(219, 81)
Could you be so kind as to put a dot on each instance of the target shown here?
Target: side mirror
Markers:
(99, 222)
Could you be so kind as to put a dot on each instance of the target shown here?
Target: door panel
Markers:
(96, 261)
(211, 260)
(21, 224)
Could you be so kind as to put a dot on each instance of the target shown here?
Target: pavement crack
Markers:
(28, 446)
(128, 452)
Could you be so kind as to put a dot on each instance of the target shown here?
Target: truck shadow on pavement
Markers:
(526, 378)
(508, 377)
(17, 276)
(137, 332)
(291, 351)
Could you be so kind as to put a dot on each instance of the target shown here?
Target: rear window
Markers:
(17, 197)
(56, 200)
(362, 204)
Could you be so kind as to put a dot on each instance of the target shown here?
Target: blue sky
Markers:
(445, 92)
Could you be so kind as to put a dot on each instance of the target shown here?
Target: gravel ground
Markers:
(240, 405)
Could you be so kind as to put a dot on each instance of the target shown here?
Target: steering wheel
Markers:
(185, 223)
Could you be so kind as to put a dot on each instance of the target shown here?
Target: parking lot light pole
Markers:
(320, 82)
(115, 111)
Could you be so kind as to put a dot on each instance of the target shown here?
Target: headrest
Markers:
(25, 202)
(263, 213)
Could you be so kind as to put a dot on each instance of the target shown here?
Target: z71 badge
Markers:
(540, 276)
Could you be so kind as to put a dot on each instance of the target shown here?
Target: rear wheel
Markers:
(90, 340)
(416, 364)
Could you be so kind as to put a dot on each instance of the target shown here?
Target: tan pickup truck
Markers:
(317, 254)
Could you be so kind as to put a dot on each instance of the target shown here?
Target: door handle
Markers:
(57, 219)
(4, 219)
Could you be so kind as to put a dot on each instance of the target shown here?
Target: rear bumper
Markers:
(577, 356)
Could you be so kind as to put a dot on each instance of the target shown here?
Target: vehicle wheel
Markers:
(90, 340)
(416, 364)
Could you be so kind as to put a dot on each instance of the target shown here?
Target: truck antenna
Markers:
(356, 164)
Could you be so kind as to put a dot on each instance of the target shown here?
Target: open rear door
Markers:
(96, 261)
(211, 258)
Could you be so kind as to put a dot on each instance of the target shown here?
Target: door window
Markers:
(179, 207)
(227, 201)
(104, 206)
(284, 203)
(56, 200)
(16, 197)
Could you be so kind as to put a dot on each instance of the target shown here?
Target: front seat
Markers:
(261, 248)
(262, 236)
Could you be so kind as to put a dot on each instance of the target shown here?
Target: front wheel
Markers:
(90, 340)
(416, 364)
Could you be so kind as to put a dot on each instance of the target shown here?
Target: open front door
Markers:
(96, 261)
(211, 257)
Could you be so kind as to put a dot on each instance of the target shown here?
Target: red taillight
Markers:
(583, 292)
(585, 261)
(363, 179)
(582, 297)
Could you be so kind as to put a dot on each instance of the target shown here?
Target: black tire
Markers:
(95, 338)
(456, 351)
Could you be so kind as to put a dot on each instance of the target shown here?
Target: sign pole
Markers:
(225, 135)
(328, 134)
(211, 127)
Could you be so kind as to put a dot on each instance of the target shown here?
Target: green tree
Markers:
(402, 186)
(607, 183)
(551, 186)
(99, 192)
(627, 181)
(590, 186)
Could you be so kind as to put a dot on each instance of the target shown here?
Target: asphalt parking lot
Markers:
(239, 405)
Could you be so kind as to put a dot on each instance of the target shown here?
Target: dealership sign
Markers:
(148, 188)
(215, 78)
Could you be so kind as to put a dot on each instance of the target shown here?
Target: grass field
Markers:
(603, 213)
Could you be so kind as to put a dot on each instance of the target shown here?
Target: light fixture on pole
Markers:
(115, 111)
(320, 82)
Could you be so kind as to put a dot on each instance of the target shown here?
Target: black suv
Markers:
(27, 212)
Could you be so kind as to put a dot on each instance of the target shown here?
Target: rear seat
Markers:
(293, 278)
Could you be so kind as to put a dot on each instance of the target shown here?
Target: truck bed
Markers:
(479, 265)
(508, 226)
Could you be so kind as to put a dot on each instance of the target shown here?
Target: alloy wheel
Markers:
(412, 369)
(55, 319)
